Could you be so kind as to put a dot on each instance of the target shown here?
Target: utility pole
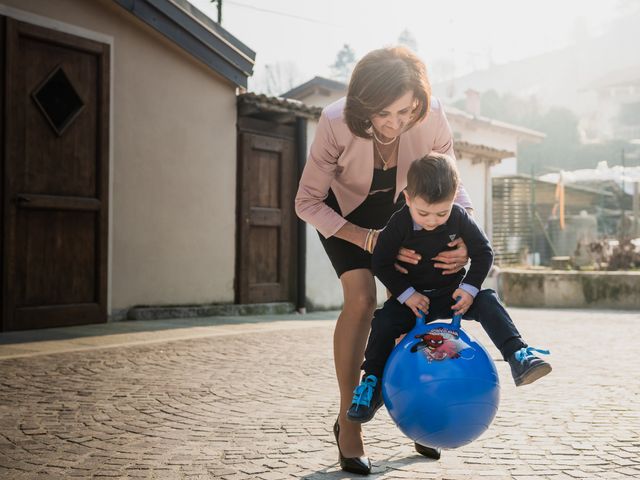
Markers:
(219, 5)
(636, 208)
(622, 216)
(532, 210)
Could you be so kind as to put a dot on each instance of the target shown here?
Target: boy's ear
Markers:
(406, 197)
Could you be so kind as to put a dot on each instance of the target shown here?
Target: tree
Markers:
(407, 39)
(276, 78)
(343, 66)
(559, 150)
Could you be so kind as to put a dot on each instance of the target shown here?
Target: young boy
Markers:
(426, 224)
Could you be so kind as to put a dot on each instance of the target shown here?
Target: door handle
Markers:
(21, 199)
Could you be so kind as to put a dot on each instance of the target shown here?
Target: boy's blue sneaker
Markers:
(526, 368)
(367, 399)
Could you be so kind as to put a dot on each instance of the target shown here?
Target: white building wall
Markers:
(473, 177)
(508, 166)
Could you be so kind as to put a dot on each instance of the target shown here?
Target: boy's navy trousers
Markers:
(395, 319)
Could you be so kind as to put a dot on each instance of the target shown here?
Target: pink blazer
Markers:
(344, 162)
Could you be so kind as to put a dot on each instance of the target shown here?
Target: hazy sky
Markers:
(455, 36)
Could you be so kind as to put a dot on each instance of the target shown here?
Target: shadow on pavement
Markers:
(137, 326)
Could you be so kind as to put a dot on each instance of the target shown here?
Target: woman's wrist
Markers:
(374, 240)
(370, 240)
(366, 239)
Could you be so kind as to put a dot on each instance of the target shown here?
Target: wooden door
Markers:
(55, 178)
(266, 220)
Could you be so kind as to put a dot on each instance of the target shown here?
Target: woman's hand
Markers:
(407, 256)
(452, 261)
(463, 301)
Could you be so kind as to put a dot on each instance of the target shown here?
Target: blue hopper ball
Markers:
(440, 386)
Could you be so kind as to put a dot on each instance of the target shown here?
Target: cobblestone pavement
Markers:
(257, 401)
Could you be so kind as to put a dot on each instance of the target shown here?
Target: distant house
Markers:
(480, 144)
(119, 166)
(617, 115)
(317, 92)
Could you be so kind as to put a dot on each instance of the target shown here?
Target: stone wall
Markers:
(572, 289)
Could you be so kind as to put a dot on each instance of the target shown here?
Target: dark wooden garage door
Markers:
(55, 178)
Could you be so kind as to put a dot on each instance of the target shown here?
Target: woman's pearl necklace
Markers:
(385, 162)
(373, 130)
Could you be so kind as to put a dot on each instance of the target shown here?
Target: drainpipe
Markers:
(301, 155)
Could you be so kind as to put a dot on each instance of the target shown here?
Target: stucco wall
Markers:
(173, 160)
(558, 289)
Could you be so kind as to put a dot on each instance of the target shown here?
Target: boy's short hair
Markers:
(434, 178)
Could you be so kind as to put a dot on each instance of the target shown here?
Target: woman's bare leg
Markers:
(349, 342)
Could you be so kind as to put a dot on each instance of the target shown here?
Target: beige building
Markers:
(120, 158)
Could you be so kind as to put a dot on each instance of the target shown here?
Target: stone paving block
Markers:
(253, 469)
(235, 476)
(631, 471)
(578, 473)
(273, 475)
(275, 464)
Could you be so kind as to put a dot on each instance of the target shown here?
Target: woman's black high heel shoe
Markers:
(360, 465)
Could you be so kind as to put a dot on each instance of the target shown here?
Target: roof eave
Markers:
(481, 153)
(523, 133)
(210, 44)
(307, 88)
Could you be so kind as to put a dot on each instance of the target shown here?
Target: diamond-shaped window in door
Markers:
(58, 100)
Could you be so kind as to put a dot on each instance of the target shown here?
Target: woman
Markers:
(352, 184)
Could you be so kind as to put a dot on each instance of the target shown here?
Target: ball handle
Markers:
(457, 319)
(455, 322)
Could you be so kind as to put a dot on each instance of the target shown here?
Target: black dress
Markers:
(374, 212)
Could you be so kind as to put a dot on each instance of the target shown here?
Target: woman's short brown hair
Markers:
(433, 178)
(381, 77)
